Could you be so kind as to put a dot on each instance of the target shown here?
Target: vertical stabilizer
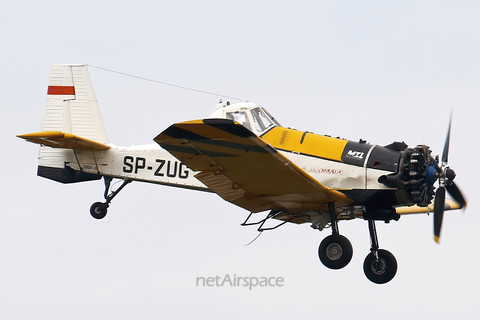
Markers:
(72, 107)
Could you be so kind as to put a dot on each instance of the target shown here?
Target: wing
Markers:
(58, 139)
(449, 205)
(244, 169)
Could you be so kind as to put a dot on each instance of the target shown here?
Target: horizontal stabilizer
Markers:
(58, 139)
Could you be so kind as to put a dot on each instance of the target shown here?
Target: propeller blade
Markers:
(456, 193)
(438, 213)
(447, 143)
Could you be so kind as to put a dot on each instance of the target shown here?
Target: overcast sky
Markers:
(376, 70)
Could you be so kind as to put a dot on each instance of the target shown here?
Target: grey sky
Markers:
(375, 70)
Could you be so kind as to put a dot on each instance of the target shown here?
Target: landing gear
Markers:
(380, 265)
(98, 210)
(380, 268)
(335, 251)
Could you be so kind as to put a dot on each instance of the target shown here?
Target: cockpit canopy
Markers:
(250, 115)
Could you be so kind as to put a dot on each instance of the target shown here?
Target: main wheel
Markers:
(382, 270)
(335, 251)
(98, 210)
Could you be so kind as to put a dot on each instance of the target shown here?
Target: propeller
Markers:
(445, 180)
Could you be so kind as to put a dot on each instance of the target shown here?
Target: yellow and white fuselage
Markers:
(245, 156)
(239, 152)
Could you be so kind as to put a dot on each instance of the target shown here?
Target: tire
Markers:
(381, 271)
(98, 210)
(335, 251)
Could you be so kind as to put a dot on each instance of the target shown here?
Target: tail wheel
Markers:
(98, 210)
(335, 251)
(380, 270)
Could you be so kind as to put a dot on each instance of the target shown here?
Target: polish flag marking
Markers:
(62, 90)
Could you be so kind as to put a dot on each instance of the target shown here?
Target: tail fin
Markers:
(72, 108)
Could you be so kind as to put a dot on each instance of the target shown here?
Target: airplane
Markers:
(243, 154)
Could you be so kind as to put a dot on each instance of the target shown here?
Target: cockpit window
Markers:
(240, 117)
(261, 120)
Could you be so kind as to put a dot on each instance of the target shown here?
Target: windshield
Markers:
(261, 120)
(240, 117)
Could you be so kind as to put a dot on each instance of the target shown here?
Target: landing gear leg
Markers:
(98, 210)
(335, 251)
(380, 265)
